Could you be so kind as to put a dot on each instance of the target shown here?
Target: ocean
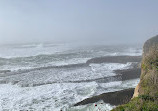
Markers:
(53, 77)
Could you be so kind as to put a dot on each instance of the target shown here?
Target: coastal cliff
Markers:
(145, 96)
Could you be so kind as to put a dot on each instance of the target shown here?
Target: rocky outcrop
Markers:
(151, 43)
(145, 96)
(149, 70)
(136, 92)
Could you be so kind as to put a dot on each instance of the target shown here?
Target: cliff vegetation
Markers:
(146, 94)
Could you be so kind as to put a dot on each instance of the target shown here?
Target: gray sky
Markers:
(112, 21)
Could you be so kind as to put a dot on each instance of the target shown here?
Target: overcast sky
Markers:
(58, 21)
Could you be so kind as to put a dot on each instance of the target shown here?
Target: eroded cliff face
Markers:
(149, 69)
(145, 97)
(149, 44)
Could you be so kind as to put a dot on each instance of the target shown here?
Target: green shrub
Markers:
(146, 97)
(141, 103)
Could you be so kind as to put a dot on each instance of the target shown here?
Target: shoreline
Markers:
(117, 97)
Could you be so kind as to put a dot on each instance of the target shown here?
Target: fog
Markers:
(64, 21)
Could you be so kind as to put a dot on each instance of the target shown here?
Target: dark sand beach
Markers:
(114, 98)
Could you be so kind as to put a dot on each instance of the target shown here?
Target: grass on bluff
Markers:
(149, 73)
(141, 103)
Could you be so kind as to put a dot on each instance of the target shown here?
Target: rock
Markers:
(145, 96)
(150, 44)
(149, 69)
(136, 92)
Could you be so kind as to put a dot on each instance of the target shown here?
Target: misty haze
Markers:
(72, 55)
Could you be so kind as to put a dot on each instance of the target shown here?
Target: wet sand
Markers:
(114, 98)
(128, 74)
(115, 59)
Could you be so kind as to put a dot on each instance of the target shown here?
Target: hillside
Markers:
(145, 97)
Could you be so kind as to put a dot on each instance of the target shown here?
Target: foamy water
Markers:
(48, 77)
(54, 96)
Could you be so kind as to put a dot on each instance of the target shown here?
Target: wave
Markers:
(48, 97)
(26, 70)
(34, 45)
(100, 73)
(58, 67)
(38, 60)
(70, 60)
(57, 57)
(5, 71)
(115, 59)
